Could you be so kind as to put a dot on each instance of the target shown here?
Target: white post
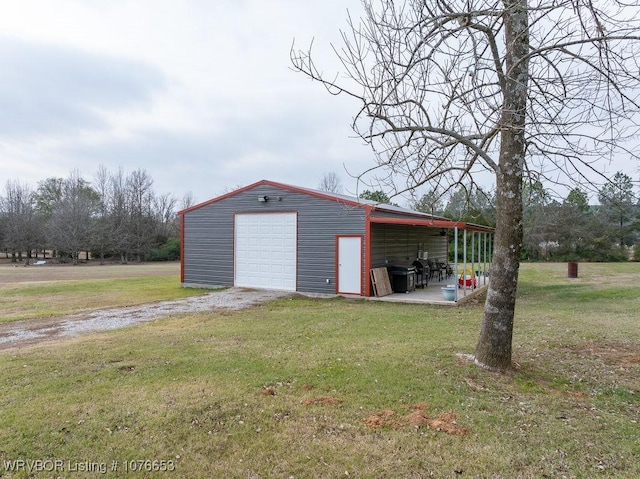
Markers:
(455, 260)
(473, 258)
(464, 262)
(484, 281)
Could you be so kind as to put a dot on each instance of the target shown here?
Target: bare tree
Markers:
(118, 211)
(452, 90)
(21, 229)
(72, 217)
(330, 183)
(165, 217)
(102, 234)
(188, 200)
(141, 225)
(132, 220)
(48, 193)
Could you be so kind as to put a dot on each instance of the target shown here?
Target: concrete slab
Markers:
(432, 294)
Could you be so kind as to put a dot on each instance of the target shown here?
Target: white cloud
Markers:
(198, 93)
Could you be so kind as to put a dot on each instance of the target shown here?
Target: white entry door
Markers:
(350, 264)
(266, 250)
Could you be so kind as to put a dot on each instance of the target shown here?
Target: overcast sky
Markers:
(198, 93)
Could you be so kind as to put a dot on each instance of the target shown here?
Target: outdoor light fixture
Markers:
(263, 199)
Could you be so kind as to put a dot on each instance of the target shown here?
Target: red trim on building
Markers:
(367, 248)
(433, 223)
(181, 249)
(274, 184)
(402, 217)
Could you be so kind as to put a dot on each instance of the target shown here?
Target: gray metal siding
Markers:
(398, 244)
(209, 236)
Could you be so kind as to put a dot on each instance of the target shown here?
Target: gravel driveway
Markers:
(21, 333)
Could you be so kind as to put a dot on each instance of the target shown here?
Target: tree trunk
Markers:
(494, 345)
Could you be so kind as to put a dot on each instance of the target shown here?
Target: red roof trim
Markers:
(218, 198)
(434, 223)
(293, 189)
(410, 218)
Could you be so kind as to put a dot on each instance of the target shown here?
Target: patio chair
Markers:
(438, 266)
(422, 274)
(449, 270)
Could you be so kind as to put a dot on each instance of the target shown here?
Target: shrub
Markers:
(170, 251)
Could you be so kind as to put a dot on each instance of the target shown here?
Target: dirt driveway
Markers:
(23, 333)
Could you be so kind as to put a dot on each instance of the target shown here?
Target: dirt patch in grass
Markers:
(612, 354)
(384, 418)
(322, 401)
(614, 279)
(446, 422)
(268, 391)
(478, 300)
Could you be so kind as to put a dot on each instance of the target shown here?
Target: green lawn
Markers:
(335, 388)
(58, 298)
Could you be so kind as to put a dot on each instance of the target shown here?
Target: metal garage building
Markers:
(274, 236)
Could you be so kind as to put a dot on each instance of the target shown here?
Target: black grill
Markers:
(403, 278)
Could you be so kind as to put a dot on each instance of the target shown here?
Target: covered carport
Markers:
(398, 240)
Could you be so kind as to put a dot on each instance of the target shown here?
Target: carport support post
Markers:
(479, 256)
(484, 265)
(464, 261)
(455, 258)
(473, 258)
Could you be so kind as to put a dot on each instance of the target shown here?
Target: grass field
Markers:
(44, 291)
(335, 388)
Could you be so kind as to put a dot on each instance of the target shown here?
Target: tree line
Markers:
(116, 216)
(567, 229)
(119, 216)
(570, 229)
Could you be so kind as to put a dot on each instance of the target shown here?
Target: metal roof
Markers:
(401, 215)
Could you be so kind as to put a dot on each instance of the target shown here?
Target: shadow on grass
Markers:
(578, 292)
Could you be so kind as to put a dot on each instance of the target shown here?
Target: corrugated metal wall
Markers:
(208, 236)
(398, 244)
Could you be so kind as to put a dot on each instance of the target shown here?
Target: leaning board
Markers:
(380, 282)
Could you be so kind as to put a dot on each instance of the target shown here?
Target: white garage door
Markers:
(265, 250)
